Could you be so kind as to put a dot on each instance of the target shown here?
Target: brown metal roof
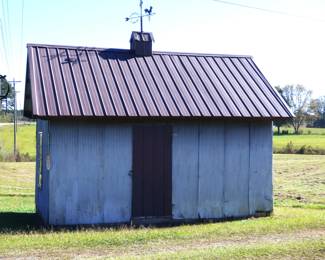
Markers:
(64, 81)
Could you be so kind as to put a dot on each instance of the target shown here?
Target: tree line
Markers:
(307, 110)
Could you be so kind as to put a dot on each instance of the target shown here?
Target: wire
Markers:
(4, 34)
(4, 43)
(2, 50)
(270, 11)
(22, 29)
(9, 29)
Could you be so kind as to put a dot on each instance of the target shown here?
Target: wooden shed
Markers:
(131, 135)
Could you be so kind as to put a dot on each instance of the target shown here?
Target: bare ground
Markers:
(150, 249)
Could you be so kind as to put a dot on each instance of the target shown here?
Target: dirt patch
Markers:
(166, 246)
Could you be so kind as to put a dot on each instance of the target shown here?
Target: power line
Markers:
(9, 30)
(270, 11)
(2, 51)
(4, 44)
(22, 29)
(4, 34)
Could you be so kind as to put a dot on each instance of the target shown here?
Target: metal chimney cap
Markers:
(144, 37)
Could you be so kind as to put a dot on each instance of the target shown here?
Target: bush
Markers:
(285, 132)
(20, 157)
(6, 118)
(289, 148)
(305, 149)
(319, 123)
(300, 132)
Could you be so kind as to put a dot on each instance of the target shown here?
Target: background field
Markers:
(295, 230)
(25, 140)
(312, 138)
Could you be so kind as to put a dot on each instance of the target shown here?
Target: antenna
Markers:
(134, 17)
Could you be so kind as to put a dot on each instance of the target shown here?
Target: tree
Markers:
(317, 109)
(6, 88)
(279, 123)
(298, 99)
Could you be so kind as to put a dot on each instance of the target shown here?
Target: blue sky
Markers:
(288, 50)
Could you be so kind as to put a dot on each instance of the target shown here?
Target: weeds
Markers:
(290, 148)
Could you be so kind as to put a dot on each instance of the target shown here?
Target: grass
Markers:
(310, 249)
(317, 141)
(17, 187)
(25, 139)
(312, 139)
(295, 230)
(299, 180)
(119, 241)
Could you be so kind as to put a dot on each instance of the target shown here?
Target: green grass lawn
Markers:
(316, 141)
(295, 230)
(313, 137)
(299, 180)
(17, 187)
(25, 139)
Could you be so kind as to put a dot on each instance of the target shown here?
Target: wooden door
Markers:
(151, 171)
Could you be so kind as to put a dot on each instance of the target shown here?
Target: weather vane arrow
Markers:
(134, 17)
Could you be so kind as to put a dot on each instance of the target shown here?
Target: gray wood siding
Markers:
(222, 169)
(211, 167)
(236, 174)
(260, 177)
(90, 181)
(42, 193)
(185, 171)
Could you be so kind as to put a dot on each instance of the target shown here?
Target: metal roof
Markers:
(65, 81)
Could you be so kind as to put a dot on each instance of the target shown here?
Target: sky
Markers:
(287, 42)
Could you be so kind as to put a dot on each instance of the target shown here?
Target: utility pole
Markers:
(15, 115)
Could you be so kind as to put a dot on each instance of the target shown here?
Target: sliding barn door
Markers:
(151, 170)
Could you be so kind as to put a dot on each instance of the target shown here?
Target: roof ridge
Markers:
(127, 50)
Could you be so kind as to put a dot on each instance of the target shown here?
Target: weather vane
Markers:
(134, 17)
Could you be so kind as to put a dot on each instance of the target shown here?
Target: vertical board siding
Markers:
(211, 168)
(42, 194)
(185, 171)
(117, 183)
(221, 169)
(236, 174)
(260, 181)
(64, 184)
(90, 180)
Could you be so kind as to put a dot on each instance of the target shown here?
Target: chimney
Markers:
(141, 43)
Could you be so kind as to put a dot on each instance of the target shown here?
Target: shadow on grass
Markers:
(14, 221)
